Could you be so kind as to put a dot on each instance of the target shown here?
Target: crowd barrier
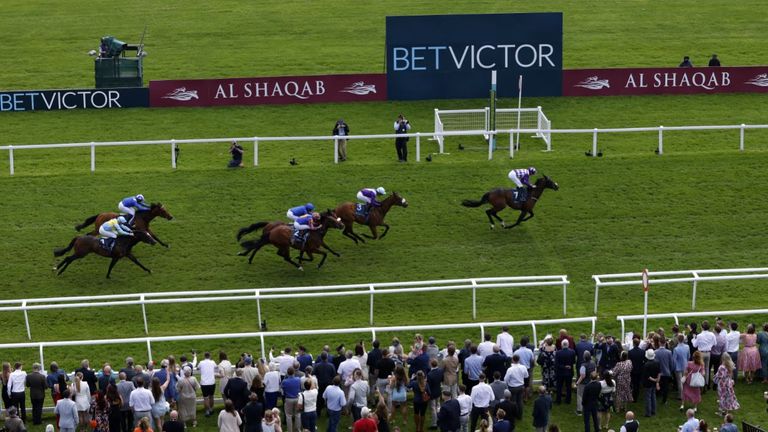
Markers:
(677, 316)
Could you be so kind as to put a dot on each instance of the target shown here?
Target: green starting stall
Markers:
(113, 68)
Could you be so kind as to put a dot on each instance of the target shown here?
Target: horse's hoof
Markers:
(54, 269)
(167, 246)
(301, 268)
(493, 226)
(504, 225)
(242, 253)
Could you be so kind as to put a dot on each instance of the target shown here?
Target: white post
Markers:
(490, 149)
(372, 290)
(597, 291)
(335, 150)
(93, 156)
(149, 350)
(621, 337)
(511, 145)
(519, 108)
(594, 323)
(661, 140)
(645, 313)
(565, 297)
(482, 332)
(10, 157)
(263, 348)
(474, 299)
(173, 154)
(535, 336)
(26, 319)
(258, 307)
(741, 137)
(594, 143)
(144, 314)
(693, 300)
(255, 151)
(42, 358)
(418, 146)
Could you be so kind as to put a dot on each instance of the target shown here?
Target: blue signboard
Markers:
(48, 100)
(452, 56)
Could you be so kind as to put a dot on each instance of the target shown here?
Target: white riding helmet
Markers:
(121, 219)
(139, 197)
(380, 190)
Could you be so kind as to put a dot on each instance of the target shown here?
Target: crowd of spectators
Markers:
(457, 387)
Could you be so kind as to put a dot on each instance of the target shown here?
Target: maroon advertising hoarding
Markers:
(268, 90)
(642, 81)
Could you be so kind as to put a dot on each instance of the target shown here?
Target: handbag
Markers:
(697, 380)
(425, 396)
(398, 394)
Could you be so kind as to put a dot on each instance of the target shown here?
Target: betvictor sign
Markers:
(48, 100)
(640, 81)
(268, 90)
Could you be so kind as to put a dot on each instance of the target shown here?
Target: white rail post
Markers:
(693, 299)
(26, 319)
(255, 151)
(535, 336)
(482, 332)
(173, 153)
(373, 334)
(661, 140)
(149, 350)
(263, 346)
(565, 296)
(418, 146)
(677, 321)
(144, 314)
(594, 143)
(490, 149)
(511, 144)
(621, 336)
(741, 137)
(10, 158)
(42, 358)
(258, 306)
(335, 150)
(372, 290)
(594, 323)
(474, 299)
(597, 291)
(93, 156)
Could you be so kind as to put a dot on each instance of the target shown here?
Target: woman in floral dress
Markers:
(547, 362)
(724, 380)
(622, 375)
(100, 412)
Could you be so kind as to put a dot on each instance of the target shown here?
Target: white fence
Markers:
(437, 135)
(259, 294)
(479, 119)
(678, 276)
(263, 335)
(677, 316)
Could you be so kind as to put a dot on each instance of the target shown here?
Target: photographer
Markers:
(341, 129)
(402, 126)
(236, 150)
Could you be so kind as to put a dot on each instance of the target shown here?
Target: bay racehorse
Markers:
(375, 218)
(501, 198)
(280, 235)
(140, 221)
(86, 244)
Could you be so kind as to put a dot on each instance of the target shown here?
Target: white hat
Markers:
(649, 354)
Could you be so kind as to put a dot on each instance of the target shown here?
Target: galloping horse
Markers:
(86, 244)
(346, 212)
(500, 198)
(279, 234)
(140, 222)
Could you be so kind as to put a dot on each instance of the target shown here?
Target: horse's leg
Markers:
(386, 230)
(112, 264)
(351, 234)
(490, 213)
(329, 249)
(322, 261)
(285, 252)
(167, 246)
(374, 233)
(309, 257)
(519, 220)
(135, 261)
(64, 264)
(529, 217)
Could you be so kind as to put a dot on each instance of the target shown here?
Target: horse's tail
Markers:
(87, 222)
(243, 231)
(61, 251)
(473, 203)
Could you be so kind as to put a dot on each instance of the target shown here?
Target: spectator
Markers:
(402, 126)
(485, 424)
(17, 390)
(304, 358)
(420, 398)
(485, 348)
(481, 395)
(335, 402)
(449, 416)
(146, 378)
(36, 382)
(308, 406)
(237, 391)
(505, 341)
(651, 381)
(525, 354)
(630, 424)
(144, 425)
(464, 353)
(346, 368)
(236, 150)
(563, 335)
(686, 62)
(546, 360)
(714, 61)
(187, 390)
(362, 358)
(250, 372)
(100, 413)
(161, 407)
(637, 357)
(141, 401)
(498, 387)
(89, 376)
(53, 376)
(586, 368)
(605, 405)
(365, 423)
(398, 385)
(451, 371)
(372, 363)
(726, 395)
(324, 371)
(129, 370)
(732, 340)
(703, 426)
(680, 356)
(434, 388)
(82, 392)
(690, 393)
(115, 403)
(207, 368)
(496, 362)
(704, 342)
(728, 425)
(582, 346)
(432, 350)
(124, 389)
(173, 425)
(609, 353)
(717, 351)
(271, 422)
(291, 387)
(473, 367)
(502, 424)
(382, 414)
(664, 357)
(229, 419)
(515, 380)
(511, 409)
(13, 423)
(66, 411)
(749, 357)
(341, 130)
(590, 401)
(762, 341)
(565, 359)
(225, 372)
(253, 414)
(465, 403)
(106, 378)
(358, 394)
(622, 373)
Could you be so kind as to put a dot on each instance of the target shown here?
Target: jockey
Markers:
(368, 196)
(520, 177)
(299, 211)
(115, 227)
(132, 204)
(305, 224)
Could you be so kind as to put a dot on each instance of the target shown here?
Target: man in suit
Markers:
(37, 387)
(434, 384)
(448, 418)
(237, 390)
(496, 362)
(637, 357)
(67, 412)
(565, 359)
(89, 375)
(541, 408)
(590, 401)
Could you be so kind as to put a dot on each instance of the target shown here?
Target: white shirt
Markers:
(465, 402)
(347, 367)
(705, 341)
(732, 341)
(141, 399)
(312, 378)
(485, 349)
(506, 342)
(272, 382)
(285, 361)
(309, 399)
(207, 369)
(516, 374)
(482, 395)
(17, 382)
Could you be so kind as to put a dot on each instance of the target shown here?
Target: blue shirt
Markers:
(131, 202)
(680, 357)
(299, 210)
(304, 220)
(334, 398)
(304, 361)
(664, 357)
(291, 387)
(526, 356)
(692, 425)
(473, 366)
(581, 347)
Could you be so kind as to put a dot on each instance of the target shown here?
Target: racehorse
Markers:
(140, 222)
(346, 211)
(86, 244)
(279, 234)
(500, 198)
